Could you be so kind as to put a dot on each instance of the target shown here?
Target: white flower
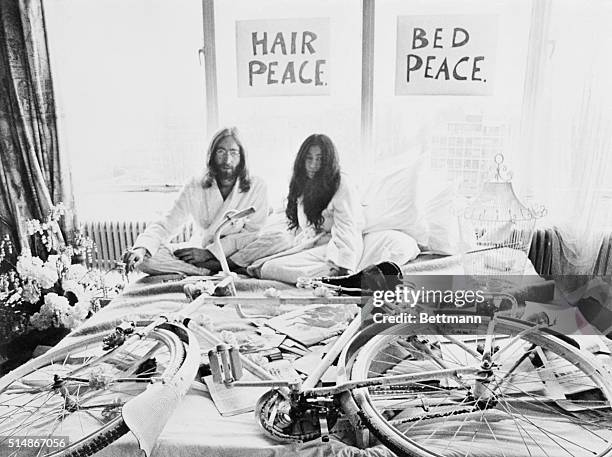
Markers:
(52, 261)
(81, 310)
(65, 259)
(68, 321)
(70, 285)
(48, 277)
(56, 303)
(32, 226)
(29, 267)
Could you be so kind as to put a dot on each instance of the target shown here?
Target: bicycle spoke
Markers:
(501, 448)
(80, 391)
(557, 412)
(531, 394)
(548, 433)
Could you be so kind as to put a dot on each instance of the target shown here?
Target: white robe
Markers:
(206, 207)
(339, 242)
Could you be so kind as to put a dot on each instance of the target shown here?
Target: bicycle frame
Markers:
(308, 386)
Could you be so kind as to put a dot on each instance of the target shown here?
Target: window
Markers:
(130, 92)
(454, 127)
(274, 127)
(130, 100)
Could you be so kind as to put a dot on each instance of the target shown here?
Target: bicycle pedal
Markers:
(225, 364)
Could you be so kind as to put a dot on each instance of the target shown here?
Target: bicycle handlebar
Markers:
(229, 217)
(240, 214)
(232, 216)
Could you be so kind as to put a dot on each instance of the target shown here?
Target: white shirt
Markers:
(206, 207)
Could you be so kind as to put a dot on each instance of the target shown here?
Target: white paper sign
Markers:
(283, 57)
(446, 55)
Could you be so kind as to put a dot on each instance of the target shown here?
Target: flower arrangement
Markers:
(49, 290)
(44, 237)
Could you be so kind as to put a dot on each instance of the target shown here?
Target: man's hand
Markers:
(194, 256)
(133, 257)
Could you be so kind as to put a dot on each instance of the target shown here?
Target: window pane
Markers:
(274, 127)
(456, 133)
(130, 99)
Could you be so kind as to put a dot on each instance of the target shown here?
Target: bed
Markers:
(196, 428)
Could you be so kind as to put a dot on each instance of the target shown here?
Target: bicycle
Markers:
(420, 394)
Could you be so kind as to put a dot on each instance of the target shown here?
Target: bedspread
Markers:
(196, 428)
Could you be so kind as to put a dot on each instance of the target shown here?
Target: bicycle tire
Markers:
(381, 424)
(100, 437)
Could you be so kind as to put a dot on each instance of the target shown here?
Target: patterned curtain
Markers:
(33, 174)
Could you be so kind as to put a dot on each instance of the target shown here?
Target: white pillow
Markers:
(438, 201)
(390, 245)
(390, 201)
(411, 197)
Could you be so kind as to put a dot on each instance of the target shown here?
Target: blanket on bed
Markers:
(197, 428)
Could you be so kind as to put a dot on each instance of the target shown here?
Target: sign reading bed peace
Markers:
(282, 57)
(446, 55)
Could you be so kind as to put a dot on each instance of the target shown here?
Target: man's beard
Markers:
(229, 174)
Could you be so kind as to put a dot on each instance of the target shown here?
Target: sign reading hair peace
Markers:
(446, 55)
(283, 57)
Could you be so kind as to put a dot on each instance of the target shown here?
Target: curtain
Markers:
(33, 174)
(567, 129)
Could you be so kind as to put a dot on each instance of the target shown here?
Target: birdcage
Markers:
(496, 229)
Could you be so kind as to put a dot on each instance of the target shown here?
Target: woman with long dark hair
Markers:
(324, 215)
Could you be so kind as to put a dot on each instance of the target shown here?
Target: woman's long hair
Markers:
(212, 171)
(317, 192)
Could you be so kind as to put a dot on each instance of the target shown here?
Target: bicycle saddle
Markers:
(381, 276)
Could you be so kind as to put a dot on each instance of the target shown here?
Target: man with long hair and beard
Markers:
(324, 215)
(224, 186)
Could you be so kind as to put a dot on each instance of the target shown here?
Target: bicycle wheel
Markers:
(77, 393)
(523, 392)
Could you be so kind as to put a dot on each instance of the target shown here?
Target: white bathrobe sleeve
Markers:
(346, 244)
(169, 226)
(245, 231)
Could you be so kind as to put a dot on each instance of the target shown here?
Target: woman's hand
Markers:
(194, 256)
(133, 257)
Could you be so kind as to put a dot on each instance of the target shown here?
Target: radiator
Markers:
(113, 238)
(603, 265)
(540, 252)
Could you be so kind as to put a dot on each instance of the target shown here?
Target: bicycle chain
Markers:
(432, 416)
(347, 426)
(344, 424)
